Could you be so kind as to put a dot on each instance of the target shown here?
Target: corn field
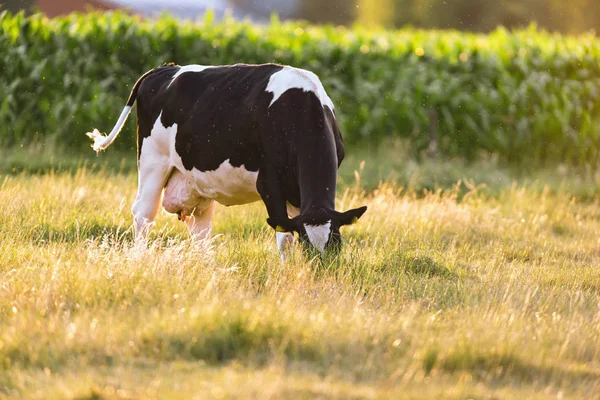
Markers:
(527, 97)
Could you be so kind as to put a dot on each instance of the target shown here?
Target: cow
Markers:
(234, 135)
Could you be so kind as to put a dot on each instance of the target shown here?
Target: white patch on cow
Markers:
(318, 235)
(160, 140)
(189, 68)
(227, 184)
(290, 78)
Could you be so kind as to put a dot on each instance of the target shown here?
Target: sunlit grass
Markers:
(449, 293)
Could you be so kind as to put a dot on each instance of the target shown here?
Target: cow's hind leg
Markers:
(154, 170)
(200, 222)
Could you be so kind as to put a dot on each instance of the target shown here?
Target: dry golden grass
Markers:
(447, 294)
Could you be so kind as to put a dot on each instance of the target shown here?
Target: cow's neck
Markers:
(317, 175)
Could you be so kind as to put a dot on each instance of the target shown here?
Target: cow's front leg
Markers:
(153, 173)
(200, 221)
(269, 189)
(285, 240)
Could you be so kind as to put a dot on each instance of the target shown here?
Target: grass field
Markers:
(462, 291)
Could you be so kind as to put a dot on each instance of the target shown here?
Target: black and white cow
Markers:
(237, 134)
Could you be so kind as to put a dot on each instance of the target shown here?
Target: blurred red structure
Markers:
(53, 8)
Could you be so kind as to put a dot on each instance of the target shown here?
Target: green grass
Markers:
(460, 291)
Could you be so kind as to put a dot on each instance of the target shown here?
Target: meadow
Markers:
(483, 288)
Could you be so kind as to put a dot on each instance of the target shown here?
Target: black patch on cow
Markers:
(223, 115)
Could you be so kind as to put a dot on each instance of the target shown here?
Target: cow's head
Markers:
(321, 228)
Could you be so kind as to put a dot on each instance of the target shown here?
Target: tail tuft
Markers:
(99, 140)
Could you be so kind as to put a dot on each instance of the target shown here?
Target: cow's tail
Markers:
(101, 141)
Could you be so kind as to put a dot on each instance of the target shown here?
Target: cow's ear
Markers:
(282, 224)
(351, 216)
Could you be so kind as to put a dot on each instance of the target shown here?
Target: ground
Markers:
(444, 289)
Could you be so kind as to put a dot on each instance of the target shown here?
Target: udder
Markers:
(180, 195)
